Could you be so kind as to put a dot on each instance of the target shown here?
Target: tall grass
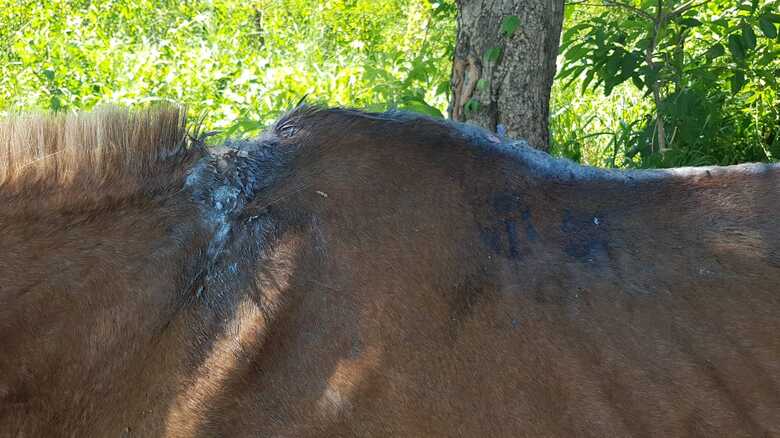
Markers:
(594, 129)
(238, 62)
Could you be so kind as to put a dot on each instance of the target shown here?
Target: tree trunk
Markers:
(504, 66)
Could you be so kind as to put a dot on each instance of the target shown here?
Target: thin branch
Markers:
(658, 22)
(610, 4)
(633, 9)
(686, 7)
(585, 3)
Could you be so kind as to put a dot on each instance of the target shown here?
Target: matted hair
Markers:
(102, 145)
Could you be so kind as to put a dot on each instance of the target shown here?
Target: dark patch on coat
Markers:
(465, 296)
(510, 230)
(511, 234)
(585, 236)
(491, 238)
(506, 203)
(530, 230)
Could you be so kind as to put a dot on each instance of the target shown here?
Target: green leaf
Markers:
(748, 37)
(244, 125)
(577, 52)
(377, 107)
(573, 73)
(629, 64)
(509, 25)
(443, 87)
(55, 103)
(573, 32)
(774, 18)
(767, 27)
(737, 82)
(482, 84)
(637, 80)
(651, 75)
(588, 79)
(689, 22)
(49, 73)
(715, 51)
(493, 54)
(644, 43)
(613, 63)
(735, 46)
(420, 106)
(599, 36)
(609, 85)
(568, 11)
(471, 105)
(766, 60)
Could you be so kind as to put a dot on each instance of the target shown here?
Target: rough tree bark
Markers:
(504, 66)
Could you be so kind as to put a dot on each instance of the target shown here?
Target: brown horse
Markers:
(353, 274)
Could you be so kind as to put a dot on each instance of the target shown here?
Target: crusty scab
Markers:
(229, 177)
(222, 184)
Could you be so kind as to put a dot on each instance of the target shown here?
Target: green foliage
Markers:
(509, 25)
(240, 63)
(493, 54)
(594, 129)
(708, 73)
(472, 105)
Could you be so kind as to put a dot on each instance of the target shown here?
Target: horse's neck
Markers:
(84, 294)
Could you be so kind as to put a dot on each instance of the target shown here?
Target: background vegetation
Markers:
(697, 81)
(711, 78)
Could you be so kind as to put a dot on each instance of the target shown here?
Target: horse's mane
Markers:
(107, 144)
